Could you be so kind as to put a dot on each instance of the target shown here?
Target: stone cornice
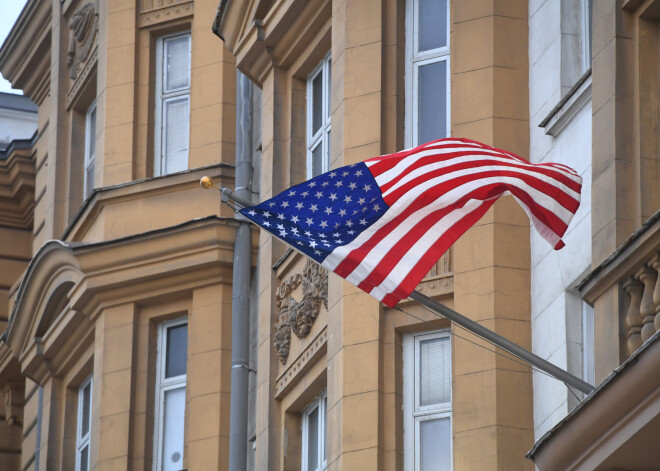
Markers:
(277, 38)
(67, 285)
(17, 180)
(25, 54)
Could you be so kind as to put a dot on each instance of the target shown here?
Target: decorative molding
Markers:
(568, 107)
(82, 77)
(83, 26)
(298, 316)
(159, 11)
(14, 401)
(304, 360)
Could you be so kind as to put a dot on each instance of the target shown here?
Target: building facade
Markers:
(118, 270)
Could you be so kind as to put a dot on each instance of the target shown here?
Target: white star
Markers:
(326, 244)
(358, 173)
(304, 193)
(271, 204)
(266, 223)
(300, 242)
(280, 217)
(333, 196)
(324, 224)
(308, 234)
(376, 207)
(280, 226)
(317, 252)
(344, 173)
(349, 223)
(299, 205)
(313, 208)
(361, 201)
(367, 187)
(309, 223)
(282, 233)
(352, 185)
(351, 232)
(285, 204)
(336, 234)
(267, 214)
(294, 219)
(339, 183)
(338, 241)
(319, 194)
(322, 236)
(328, 210)
(312, 244)
(291, 193)
(363, 221)
(325, 184)
(333, 174)
(252, 212)
(342, 212)
(312, 184)
(347, 199)
(294, 231)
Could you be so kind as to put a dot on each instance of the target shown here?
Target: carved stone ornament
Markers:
(84, 26)
(298, 316)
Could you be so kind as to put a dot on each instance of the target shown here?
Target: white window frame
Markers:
(321, 402)
(90, 159)
(164, 97)
(322, 136)
(162, 386)
(83, 441)
(414, 413)
(414, 60)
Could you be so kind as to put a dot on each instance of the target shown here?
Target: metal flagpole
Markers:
(472, 326)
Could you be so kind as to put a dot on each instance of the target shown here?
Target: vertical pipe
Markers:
(240, 315)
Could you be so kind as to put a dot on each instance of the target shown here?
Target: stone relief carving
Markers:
(298, 316)
(84, 26)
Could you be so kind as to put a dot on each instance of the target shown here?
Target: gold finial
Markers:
(207, 183)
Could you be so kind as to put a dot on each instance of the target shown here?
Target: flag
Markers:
(383, 223)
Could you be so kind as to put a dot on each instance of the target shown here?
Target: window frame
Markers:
(89, 159)
(414, 413)
(414, 60)
(162, 97)
(82, 441)
(162, 386)
(588, 364)
(322, 136)
(320, 401)
(586, 33)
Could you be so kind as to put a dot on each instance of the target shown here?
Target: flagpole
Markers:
(474, 327)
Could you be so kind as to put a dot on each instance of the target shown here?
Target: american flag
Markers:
(383, 223)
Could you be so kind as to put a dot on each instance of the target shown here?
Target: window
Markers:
(427, 71)
(90, 149)
(314, 435)
(84, 424)
(170, 395)
(427, 401)
(588, 372)
(172, 104)
(318, 119)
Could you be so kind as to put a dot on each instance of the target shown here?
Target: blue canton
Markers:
(323, 213)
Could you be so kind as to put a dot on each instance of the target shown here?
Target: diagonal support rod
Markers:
(474, 327)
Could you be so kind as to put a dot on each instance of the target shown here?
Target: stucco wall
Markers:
(556, 314)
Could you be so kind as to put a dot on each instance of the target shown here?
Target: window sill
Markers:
(569, 106)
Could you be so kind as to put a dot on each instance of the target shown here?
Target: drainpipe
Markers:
(240, 312)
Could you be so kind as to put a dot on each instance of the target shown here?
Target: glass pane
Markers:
(89, 178)
(434, 371)
(313, 439)
(317, 160)
(173, 423)
(177, 117)
(91, 133)
(432, 24)
(329, 85)
(177, 351)
(177, 64)
(435, 441)
(317, 102)
(84, 458)
(86, 405)
(325, 428)
(432, 100)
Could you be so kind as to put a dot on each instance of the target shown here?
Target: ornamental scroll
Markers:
(298, 316)
(84, 26)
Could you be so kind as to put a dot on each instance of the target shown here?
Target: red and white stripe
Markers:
(435, 193)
